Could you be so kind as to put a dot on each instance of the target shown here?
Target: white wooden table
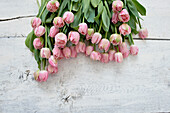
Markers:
(140, 84)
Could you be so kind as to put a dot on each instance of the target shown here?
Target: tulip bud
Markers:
(115, 18)
(117, 5)
(52, 69)
(104, 44)
(68, 17)
(105, 58)
(82, 47)
(53, 5)
(77, 48)
(73, 51)
(74, 37)
(96, 38)
(112, 55)
(125, 53)
(123, 47)
(53, 61)
(58, 22)
(83, 28)
(143, 33)
(45, 53)
(89, 50)
(60, 40)
(61, 56)
(116, 39)
(125, 29)
(35, 22)
(89, 34)
(118, 57)
(53, 31)
(39, 31)
(134, 50)
(67, 52)
(124, 16)
(38, 43)
(56, 52)
(41, 76)
(95, 55)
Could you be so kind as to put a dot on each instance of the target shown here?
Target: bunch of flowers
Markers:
(97, 28)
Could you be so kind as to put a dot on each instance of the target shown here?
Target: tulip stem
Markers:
(71, 5)
(117, 48)
(45, 36)
(83, 19)
(132, 38)
(139, 24)
(115, 30)
(44, 64)
(38, 4)
(106, 35)
(100, 26)
(42, 10)
(94, 47)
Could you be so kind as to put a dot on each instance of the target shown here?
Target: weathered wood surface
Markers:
(140, 84)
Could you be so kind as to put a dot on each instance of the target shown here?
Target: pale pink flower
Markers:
(143, 33)
(116, 39)
(60, 40)
(74, 37)
(45, 53)
(39, 31)
(73, 51)
(105, 58)
(118, 57)
(83, 28)
(56, 52)
(53, 61)
(89, 50)
(134, 50)
(58, 22)
(82, 47)
(112, 55)
(68, 17)
(53, 31)
(53, 6)
(96, 38)
(125, 53)
(35, 22)
(123, 47)
(89, 34)
(38, 43)
(95, 55)
(104, 44)
(67, 52)
(125, 29)
(41, 76)
(117, 5)
(124, 16)
(115, 18)
(51, 69)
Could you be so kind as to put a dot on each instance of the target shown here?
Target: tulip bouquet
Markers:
(97, 28)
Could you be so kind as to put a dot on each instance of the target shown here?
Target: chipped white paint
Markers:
(139, 84)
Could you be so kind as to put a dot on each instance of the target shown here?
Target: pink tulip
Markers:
(68, 17)
(116, 39)
(58, 22)
(118, 57)
(89, 34)
(39, 31)
(60, 40)
(45, 53)
(95, 55)
(134, 50)
(56, 52)
(53, 61)
(77, 48)
(73, 51)
(143, 33)
(117, 5)
(104, 44)
(96, 38)
(105, 58)
(74, 37)
(115, 18)
(123, 47)
(125, 53)
(53, 31)
(53, 5)
(61, 56)
(83, 28)
(112, 55)
(51, 69)
(35, 22)
(124, 16)
(38, 43)
(82, 47)
(89, 50)
(41, 76)
(67, 52)
(125, 29)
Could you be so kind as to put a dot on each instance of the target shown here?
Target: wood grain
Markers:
(140, 83)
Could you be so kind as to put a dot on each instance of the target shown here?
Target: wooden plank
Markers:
(140, 83)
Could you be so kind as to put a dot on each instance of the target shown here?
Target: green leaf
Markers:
(75, 0)
(90, 14)
(85, 4)
(132, 8)
(76, 6)
(63, 5)
(105, 20)
(95, 3)
(27, 41)
(31, 42)
(50, 19)
(108, 10)
(100, 10)
(37, 55)
(141, 9)
(77, 19)
(49, 41)
(44, 15)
